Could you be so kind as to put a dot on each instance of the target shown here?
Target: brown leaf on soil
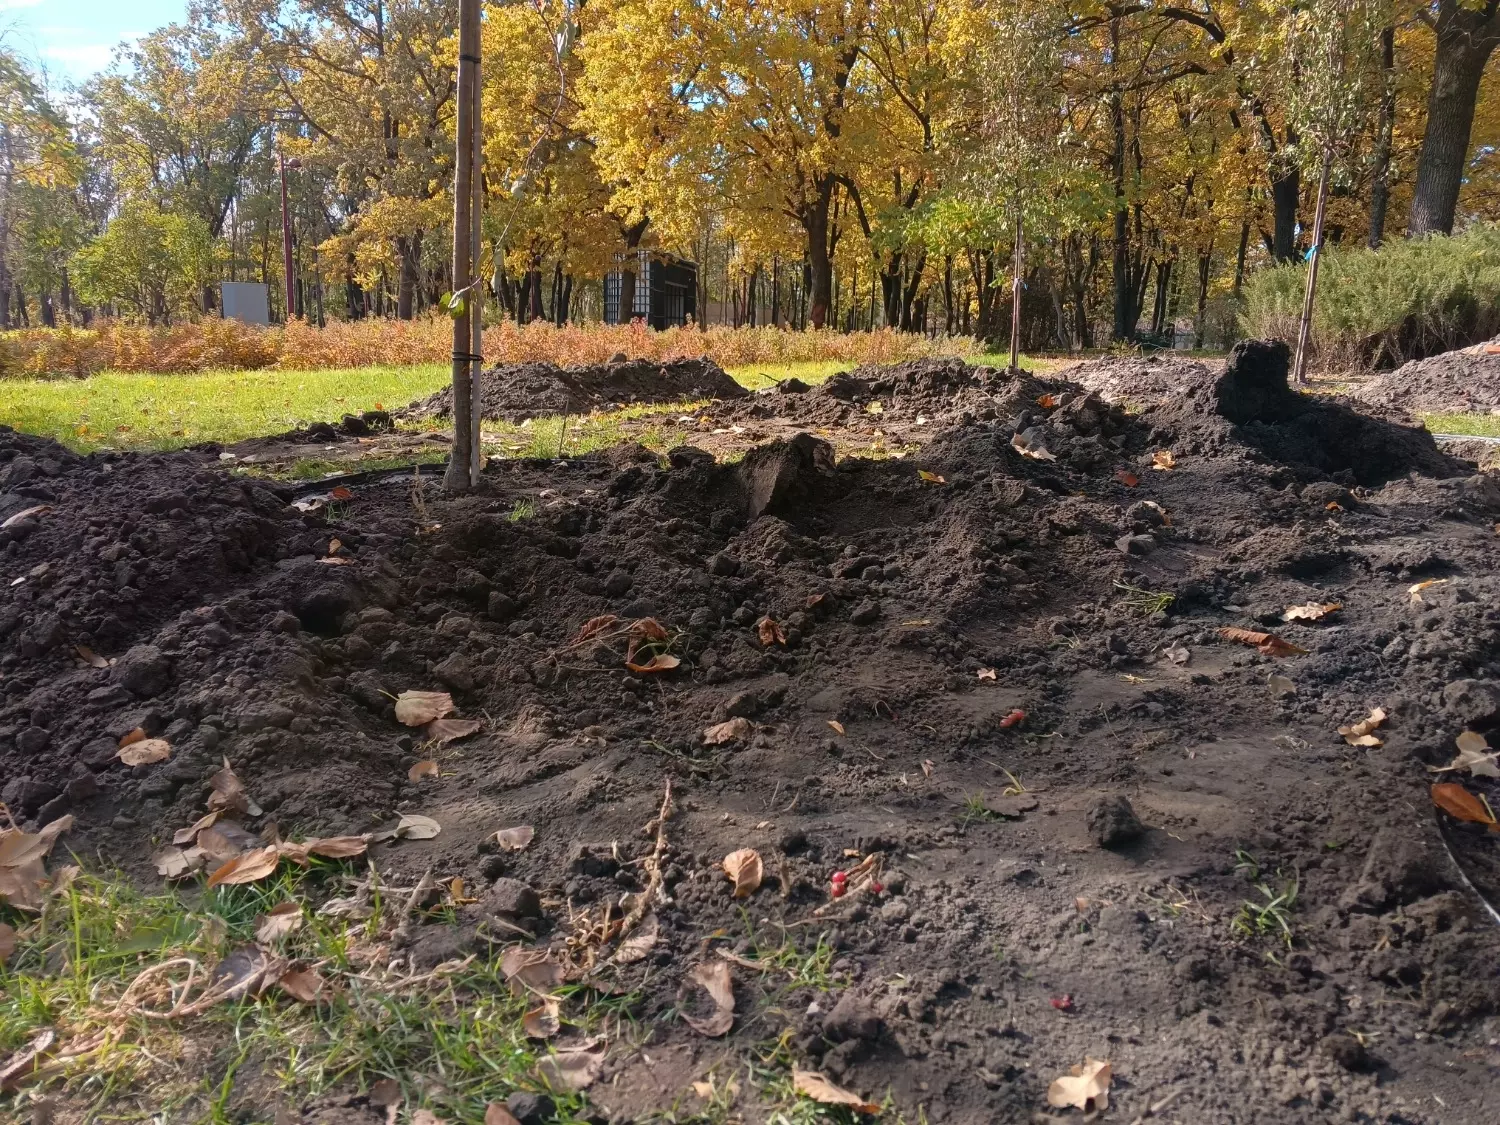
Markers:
(1162, 459)
(90, 657)
(1281, 686)
(339, 492)
(443, 731)
(713, 978)
(303, 984)
(25, 513)
(543, 1022)
(145, 752)
(1361, 733)
(222, 842)
(332, 560)
(745, 870)
(7, 942)
(247, 868)
(329, 847)
(190, 833)
(229, 794)
(135, 735)
(1458, 802)
(16, 1068)
(1028, 448)
(594, 626)
(425, 768)
(1085, 1087)
(662, 662)
(838, 727)
(418, 708)
(736, 729)
(815, 600)
(414, 826)
(811, 1084)
(176, 863)
(23, 873)
(1268, 644)
(497, 1114)
(515, 839)
(769, 632)
(385, 1092)
(282, 919)
(1127, 478)
(1474, 755)
(1047, 401)
(1312, 611)
(985, 674)
(334, 545)
(647, 629)
(573, 1068)
(931, 478)
(640, 943)
(531, 971)
(1415, 590)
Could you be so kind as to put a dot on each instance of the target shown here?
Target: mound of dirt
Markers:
(1464, 381)
(1251, 404)
(941, 666)
(1138, 380)
(516, 392)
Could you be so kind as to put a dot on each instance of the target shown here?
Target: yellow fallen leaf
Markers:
(418, 708)
(713, 978)
(662, 662)
(1415, 590)
(931, 478)
(1085, 1087)
(145, 752)
(735, 730)
(1163, 459)
(1312, 611)
(425, 768)
(247, 868)
(811, 1084)
(985, 674)
(838, 727)
(1361, 733)
(745, 870)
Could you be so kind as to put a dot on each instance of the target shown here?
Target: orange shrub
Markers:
(227, 344)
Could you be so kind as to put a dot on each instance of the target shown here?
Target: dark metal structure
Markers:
(666, 291)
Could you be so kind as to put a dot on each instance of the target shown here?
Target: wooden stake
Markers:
(463, 460)
(1015, 304)
(1304, 329)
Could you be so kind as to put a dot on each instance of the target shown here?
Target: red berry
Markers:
(877, 888)
(838, 890)
(839, 878)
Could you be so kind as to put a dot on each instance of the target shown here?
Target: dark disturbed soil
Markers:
(516, 392)
(1463, 381)
(1014, 933)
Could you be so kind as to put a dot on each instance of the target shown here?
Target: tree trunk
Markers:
(1239, 259)
(1380, 188)
(65, 298)
(1205, 269)
(819, 261)
(1286, 188)
(409, 249)
(1466, 37)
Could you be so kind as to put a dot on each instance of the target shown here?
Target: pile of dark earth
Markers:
(1458, 382)
(518, 391)
(1163, 778)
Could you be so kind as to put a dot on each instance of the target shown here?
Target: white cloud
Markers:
(80, 56)
(15, 5)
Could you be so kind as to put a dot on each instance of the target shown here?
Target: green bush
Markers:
(1377, 309)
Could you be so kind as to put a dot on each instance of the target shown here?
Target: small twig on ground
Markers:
(642, 904)
(402, 937)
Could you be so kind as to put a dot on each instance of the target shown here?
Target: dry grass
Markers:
(208, 345)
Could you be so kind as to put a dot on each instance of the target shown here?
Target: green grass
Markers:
(453, 1042)
(1477, 425)
(120, 410)
(759, 376)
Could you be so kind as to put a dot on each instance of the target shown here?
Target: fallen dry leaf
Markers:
(1458, 802)
(543, 1021)
(90, 657)
(811, 1084)
(1312, 611)
(331, 560)
(594, 626)
(1162, 459)
(1047, 401)
(247, 868)
(745, 870)
(1474, 755)
(23, 873)
(575, 1067)
(1178, 654)
(714, 979)
(531, 971)
(1128, 479)
(425, 768)
(427, 1117)
(1416, 589)
(985, 674)
(145, 752)
(838, 727)
(640, 943)
(25, 513)
(385, 1092)
(135, 735)
(339, 492)
(444, 731)
(175, 862)
(1268, 644)
(515, 839)
(190, 833)
(7, 942)
(229, 794)
(418, 708)
(329, 847)
(24, 1061)
(334, 545)
(769, 632)
(497, 1114)
(662, 662)
(413, 826)
(222, 842)
(1086, 1087)
(282, 919)
(735, 729)
(1030, 447)
(931, 478)
(1360, 733)
(303, 984)
(1281, 686)
(927, 767)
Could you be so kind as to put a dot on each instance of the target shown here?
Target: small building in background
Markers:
(666, 291)
(245, 301)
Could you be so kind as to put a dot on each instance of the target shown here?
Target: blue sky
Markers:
(74, 40)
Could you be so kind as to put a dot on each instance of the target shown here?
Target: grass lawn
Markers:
(1477, 425)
